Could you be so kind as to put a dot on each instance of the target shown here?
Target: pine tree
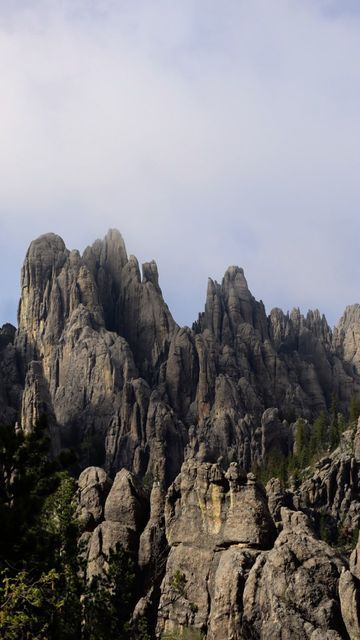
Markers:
(354, 410)
(334, 424)
(302, 450)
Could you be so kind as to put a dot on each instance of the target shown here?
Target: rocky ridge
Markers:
(218, 560)
(189, 411)
(98, 351)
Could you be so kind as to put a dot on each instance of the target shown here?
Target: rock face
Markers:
(244, 585)
(10, 377)
(205, 502)
(214, 521)
(98, 351)
(291, 591)
(349, 591)
(133, 305)
(94, 486)
(114, 514)
(140, 399)
(330, 492)
(347, 336)
(83, 322)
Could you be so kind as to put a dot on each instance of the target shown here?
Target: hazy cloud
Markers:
(209, 133)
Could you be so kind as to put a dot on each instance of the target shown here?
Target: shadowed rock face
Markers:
(347, 336)
(84, 323)
(10, 377)
(98, 350)
(330, 492)
(215, 522)
(245, 585)
(291, 591)
(148, 403)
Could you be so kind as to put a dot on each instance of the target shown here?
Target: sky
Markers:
(209, 133)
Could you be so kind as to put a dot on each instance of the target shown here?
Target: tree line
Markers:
(311, 442)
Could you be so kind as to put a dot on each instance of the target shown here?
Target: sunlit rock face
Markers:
(292, 590)
(229, 574)
(78, 316)
(167, 423)
(98, 351)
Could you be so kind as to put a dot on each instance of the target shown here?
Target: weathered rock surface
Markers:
(94, 486)
(123, 503)
(114, 366)
(204, 504)
(84, 320)
(133, 306)
(99, 353)
(124, 514)
(214, 522)
(227, 588)
(291, 591)
(244, 586)
(329, 492)
(333, 489)
(347, 336)
(349, 592)
(355, 560)
(153, 544)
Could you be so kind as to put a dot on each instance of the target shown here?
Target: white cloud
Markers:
(208, 133)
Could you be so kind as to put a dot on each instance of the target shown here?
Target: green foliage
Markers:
(354, 409)
(39, 583)
(334, 424)
(109, 599)
(311, 443)
(42, 593)
(302, 441)
(324, 529)
(319, 437)
(275, 466)
(29, 606)
(140, 629)
(178, 583)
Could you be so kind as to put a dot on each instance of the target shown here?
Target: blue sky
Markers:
(208, 133)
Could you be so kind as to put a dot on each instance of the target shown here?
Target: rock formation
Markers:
(188, 412)
(98, 351)
(291, 591)
(349, 591)
(216, 523)
(10, 378)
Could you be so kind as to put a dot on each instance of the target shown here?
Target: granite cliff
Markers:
(98, 350)
(187, 413)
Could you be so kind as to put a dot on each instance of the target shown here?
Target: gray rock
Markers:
(333, 488)
(354, 563)
(203, 506)
(104, 539)
(349, 593)
(94, 486)
(347, 336)
(292, 585)
(123, 503)
(211, 521)
(95, 324)
(225, 619)
(153, 544)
